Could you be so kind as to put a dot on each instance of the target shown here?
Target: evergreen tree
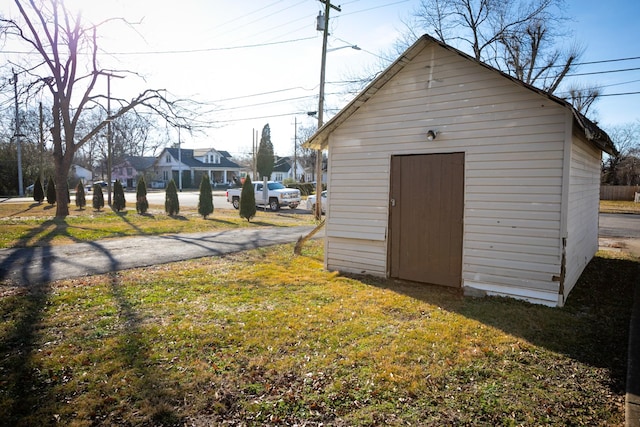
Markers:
(98, 197)
(171, 202)
(247, 200)
(265, 158)
(38, 191)
(205, 202)
(51, 192)
(119, 202)
(81, 200)
(142, 204)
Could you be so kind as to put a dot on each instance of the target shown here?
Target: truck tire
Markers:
(236, 202)
(274, 205)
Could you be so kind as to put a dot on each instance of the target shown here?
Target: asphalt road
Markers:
(619, 225)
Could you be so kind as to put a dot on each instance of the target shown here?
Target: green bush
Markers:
(38, 191)
(51, 192)
(171, 202)
(119, 202)
(142, 204)
(98, 197)
(81, 200)
(205, 201)
(247, 200)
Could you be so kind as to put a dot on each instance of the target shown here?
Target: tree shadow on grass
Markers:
(31, 206)
(157, 400)
(220, 221)
(26, 309)
(593, 326)
(29, 392)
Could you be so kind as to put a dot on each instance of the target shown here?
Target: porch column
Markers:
(224, 176)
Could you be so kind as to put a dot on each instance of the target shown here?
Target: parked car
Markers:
(311, 202)
(89, 187)
(278, 196)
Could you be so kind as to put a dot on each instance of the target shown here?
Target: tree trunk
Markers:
(61, 172)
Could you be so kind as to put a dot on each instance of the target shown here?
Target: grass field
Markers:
(34, 224)
(268, 338)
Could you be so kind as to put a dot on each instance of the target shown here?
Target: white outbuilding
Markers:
(446, 171)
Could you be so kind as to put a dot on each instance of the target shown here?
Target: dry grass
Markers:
(268, 338)
(33, 224)
(615, 206)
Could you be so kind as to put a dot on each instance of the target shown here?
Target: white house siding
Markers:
(582, 224)
(513, 144)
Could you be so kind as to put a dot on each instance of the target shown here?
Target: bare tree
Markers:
(583, 97)
(68, 68)
(623, 168)
(518, 37)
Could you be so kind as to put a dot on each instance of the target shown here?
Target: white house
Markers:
(192, 164)
(81, 173)
(283, 168)
(446, 171)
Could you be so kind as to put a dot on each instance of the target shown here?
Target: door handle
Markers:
(393, 203)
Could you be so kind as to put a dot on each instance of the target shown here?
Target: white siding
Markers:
(513, 142)
(582, 214)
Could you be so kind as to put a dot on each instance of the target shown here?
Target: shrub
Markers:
(171, 202)
(38, 191)
(98, 197)
(51, 192)
(205, 202)
(142, 204)
(81, 200)
(247, 200)
(119, 202)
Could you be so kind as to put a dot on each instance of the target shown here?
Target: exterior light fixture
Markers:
(431, 135)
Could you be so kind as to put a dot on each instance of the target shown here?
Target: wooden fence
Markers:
(618, 192)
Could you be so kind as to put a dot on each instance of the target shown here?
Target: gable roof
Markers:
(282, 164)
(140, 163)
(319, 140)
(188, 159)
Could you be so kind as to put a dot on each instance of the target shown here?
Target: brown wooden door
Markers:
(426, 215)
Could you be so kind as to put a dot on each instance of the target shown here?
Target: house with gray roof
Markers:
(191, 164)
(129, 171)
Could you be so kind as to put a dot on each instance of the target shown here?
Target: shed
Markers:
(446, 171)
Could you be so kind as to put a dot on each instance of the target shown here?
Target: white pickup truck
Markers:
(278, 196)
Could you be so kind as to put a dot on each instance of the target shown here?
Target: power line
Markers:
(211, 49)
(603, 72)
(620, 94)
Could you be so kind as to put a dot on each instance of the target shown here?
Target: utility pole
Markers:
(17, 136)
(325, 34)
(179, 161)
(295, 149)
(109, 136)
(40, 163)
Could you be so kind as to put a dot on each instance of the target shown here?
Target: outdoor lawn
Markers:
(269, 338)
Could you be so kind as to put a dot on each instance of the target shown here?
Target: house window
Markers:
(168, 158)
(129, 171)
(278, 176)
(165, 175)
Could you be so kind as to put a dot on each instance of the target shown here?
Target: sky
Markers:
(257, 62)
